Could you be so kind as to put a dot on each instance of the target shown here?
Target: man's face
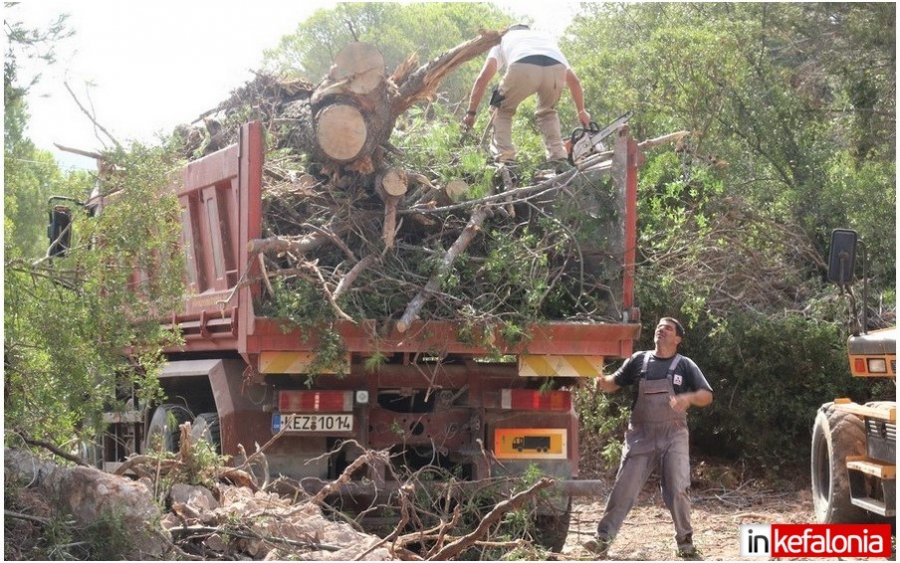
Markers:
(666, 333)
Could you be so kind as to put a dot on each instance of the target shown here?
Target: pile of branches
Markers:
(350, 232)
(190, 504)
(508, 258)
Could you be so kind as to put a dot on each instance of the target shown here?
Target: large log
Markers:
(423, 82)
(341, 132)
(361, 65)
(351, 114)
(90, 495)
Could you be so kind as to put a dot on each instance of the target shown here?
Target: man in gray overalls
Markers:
(657, 435)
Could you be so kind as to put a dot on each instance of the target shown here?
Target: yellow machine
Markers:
(854, 446)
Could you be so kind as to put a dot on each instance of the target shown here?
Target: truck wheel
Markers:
(206, 427)
(551, 530)
(161, 433)
(835, 435)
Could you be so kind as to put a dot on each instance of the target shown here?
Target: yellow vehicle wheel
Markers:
(836, 435)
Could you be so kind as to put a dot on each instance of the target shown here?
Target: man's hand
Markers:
(606, 383)
(699, 398)
(680, 403)
(585, 118)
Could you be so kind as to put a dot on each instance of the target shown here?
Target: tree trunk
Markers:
(351, 114)
(90, 495)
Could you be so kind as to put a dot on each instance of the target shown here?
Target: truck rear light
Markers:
(877, 365)
(315, 401)
(529, 399)
(859, 365)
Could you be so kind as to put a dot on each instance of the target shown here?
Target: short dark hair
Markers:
(679, 330)
(516, 26)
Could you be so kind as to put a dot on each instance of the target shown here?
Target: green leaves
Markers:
(69, 320)
(791, 109)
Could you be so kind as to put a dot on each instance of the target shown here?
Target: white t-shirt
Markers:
(520, 43)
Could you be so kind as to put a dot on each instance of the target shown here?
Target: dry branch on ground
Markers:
(166, 514)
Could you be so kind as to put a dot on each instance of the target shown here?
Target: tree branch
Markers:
(91, 117)
(455, 548)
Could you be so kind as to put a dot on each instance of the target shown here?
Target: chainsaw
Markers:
(586, 141)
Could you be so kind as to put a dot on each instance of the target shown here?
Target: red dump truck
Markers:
(435, 400)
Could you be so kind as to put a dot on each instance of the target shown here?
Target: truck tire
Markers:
(835, 435)
(160, 430)
(551, 530)
(206, 427)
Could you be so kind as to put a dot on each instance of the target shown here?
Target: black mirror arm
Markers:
(865, 295)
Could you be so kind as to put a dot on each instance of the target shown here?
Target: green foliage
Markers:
(299, 303)
(434, 143)
(766, 88)
(862, 192)
(108, 538)
(769, 375)
(69, 320)
(791, 137)
(604, 418)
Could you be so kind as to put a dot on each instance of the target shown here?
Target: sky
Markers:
(145, 67)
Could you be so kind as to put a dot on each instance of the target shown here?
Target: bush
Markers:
(604, 418)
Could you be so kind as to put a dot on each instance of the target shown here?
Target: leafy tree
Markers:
(31, 175)
(767, 91)
(68, 319)
(791, 109)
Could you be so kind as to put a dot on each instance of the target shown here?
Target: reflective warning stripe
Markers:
(560, 366)
(291, 362)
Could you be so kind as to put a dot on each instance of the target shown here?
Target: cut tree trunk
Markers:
(393, 181)
(350, 116)
(91, 495)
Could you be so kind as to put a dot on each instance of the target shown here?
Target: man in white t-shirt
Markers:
(534, 65)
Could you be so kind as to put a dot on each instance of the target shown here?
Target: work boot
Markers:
(598, 546)
(686, 549)
(689, 553)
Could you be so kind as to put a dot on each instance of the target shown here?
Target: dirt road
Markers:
(717, 515)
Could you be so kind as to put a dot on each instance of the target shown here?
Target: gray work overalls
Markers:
(657, 436)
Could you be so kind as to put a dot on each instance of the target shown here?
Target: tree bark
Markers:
(455, 548)
(390, 220)
(351, 114)
(89, 495)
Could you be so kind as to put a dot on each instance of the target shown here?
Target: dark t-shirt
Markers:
(687, 376)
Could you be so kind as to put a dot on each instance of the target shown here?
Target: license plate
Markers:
(312, 422)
